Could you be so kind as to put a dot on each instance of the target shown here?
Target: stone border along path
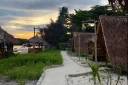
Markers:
(59, 75)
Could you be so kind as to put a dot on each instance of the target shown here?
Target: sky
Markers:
(18, 17)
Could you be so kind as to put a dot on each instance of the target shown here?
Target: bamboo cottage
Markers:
(112, 40)
(38, 44)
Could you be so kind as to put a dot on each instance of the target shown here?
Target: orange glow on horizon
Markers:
(20, 23)
(24, 35)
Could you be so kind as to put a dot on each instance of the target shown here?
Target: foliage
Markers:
(119, 5)
(86, 15)
(63, 14)
(95, 72)
(105, 75)
(79, 17)
(97, 10)
(29, 66)
(55, 32)
(62, 46)
(20, 82)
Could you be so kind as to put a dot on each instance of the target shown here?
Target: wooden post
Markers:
(34, 31)
(95, 44)
(79, 46)
(34, 37)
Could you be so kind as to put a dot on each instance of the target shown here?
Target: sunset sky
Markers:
(18, 17)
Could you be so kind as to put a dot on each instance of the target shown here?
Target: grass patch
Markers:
(29, 66)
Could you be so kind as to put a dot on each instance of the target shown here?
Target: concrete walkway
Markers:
(57, 76)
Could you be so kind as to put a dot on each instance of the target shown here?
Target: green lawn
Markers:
(29, 66)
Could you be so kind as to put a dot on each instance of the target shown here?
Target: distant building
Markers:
(38, 43)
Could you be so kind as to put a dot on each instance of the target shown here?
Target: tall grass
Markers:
(95, 72)
(107, 78)
(29, 66)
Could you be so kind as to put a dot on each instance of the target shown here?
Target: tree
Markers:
(80, 16)
(119, 5)
(63, 15)
(55, 32)
(92, 14)
(97, 10)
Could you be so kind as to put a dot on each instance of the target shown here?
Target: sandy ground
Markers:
(87, 79)
(23, 50)
(59, 76)
(11, 82)
(73, 66)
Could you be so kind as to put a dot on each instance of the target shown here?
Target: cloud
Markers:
(103, 2)
(31, 4)
(47, 4)
(18, 16)
(33, 20)
(25, 35)
(27, 23)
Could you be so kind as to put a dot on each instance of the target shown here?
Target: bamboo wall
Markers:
(83, 42)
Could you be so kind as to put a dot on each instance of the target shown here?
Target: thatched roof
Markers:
(115, 34)
(4, 35)
(37, 39)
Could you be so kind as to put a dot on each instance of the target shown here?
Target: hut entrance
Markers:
(5, 49)
(101, 48)
(91, 48)
(1, 50)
